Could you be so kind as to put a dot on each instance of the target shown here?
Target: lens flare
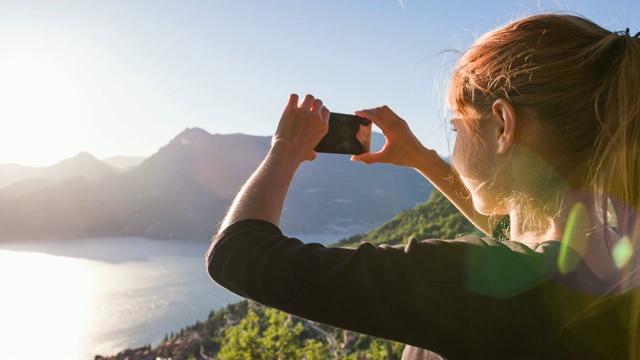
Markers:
(622, 252)
(573, 239)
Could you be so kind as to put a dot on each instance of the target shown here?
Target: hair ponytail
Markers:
(614, 166)
(618, 166)
(617, 162)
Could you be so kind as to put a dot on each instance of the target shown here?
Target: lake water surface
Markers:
(74, 299)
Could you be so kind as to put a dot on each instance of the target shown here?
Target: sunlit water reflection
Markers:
(73, 299)
(98, 296)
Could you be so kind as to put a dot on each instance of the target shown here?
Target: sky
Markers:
(124, 77)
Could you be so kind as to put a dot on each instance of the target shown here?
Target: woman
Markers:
(547, 114)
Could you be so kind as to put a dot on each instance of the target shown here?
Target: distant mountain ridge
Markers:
(123, 163)
(83, 164)
(183, 190)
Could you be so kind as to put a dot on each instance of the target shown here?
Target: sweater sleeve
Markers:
(454, 297)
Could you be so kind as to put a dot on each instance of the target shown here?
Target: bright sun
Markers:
(42, 94)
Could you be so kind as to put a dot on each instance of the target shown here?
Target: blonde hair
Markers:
(578, 86)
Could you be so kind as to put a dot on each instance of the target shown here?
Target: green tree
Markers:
(242, 341)
(385, 350)
(316, 350)
(269, 334)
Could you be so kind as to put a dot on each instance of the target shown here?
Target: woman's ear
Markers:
(505, 118)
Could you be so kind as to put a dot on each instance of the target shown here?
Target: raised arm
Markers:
(301, 127)
(402, 148)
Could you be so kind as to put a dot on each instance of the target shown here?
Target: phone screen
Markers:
(348, 134)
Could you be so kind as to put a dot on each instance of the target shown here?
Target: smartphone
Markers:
(348, 134)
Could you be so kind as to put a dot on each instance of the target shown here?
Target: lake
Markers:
(77, 298)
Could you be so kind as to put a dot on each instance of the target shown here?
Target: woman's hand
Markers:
(401, 148)
(300, 129)
(404, 149)
(302, 126)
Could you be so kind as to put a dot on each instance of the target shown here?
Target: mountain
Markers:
(183, 191)
(10, 173)
(123, 163)
(83, 164)
(348, 196)
(31, 178)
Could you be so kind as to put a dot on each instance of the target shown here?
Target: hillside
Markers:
(249, 331)
(435, 219)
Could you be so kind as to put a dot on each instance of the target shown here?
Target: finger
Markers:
(383, 112)
(312, 156)
(385, 119)
(317, 105)
(325, 114)
(293, 100)
(384, 109)
(368, 158)
(306, 103)
(375, 116)
(367, 114)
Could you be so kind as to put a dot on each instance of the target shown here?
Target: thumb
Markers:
(312, 156)
(367, 158)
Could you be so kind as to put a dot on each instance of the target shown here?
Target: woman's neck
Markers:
(576, 225)
(522, 231)
(563, 216)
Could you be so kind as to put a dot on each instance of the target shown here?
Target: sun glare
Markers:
(44, 297)
(43, 92)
